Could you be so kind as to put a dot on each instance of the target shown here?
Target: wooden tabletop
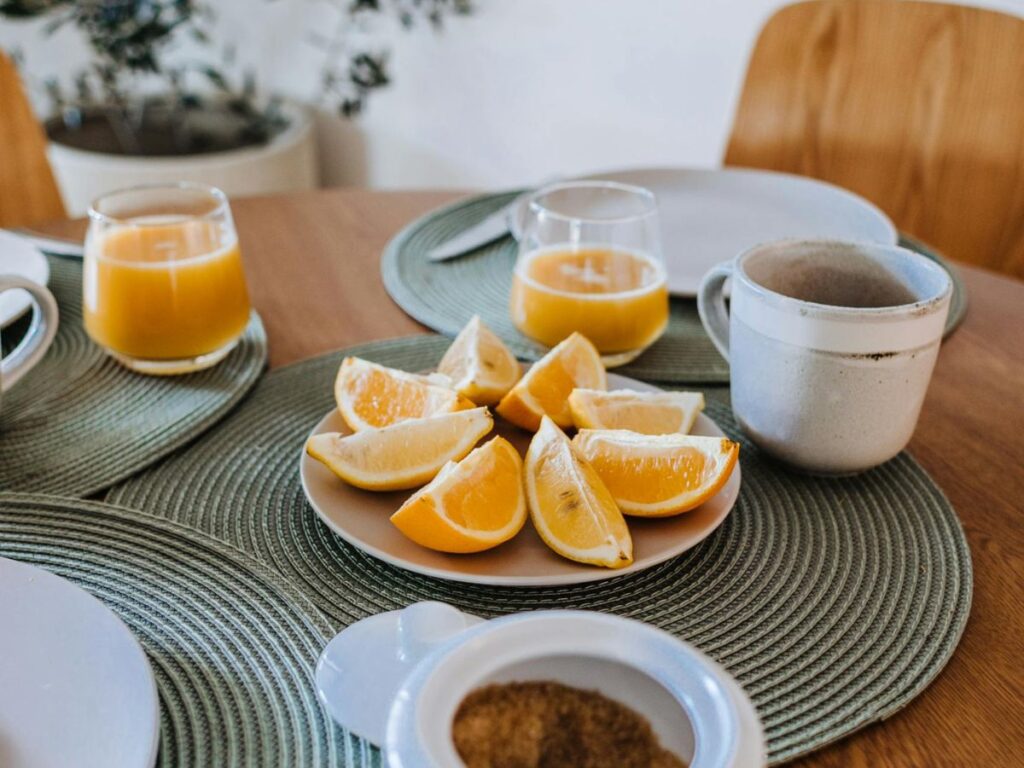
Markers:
(313, 265)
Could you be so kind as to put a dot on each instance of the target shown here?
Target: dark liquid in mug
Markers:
(846, 281)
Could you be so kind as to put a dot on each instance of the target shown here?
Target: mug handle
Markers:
(711, 306)
(38, 337)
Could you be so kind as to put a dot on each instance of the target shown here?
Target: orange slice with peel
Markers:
(370, 395)
(470, 506)
(403, 455)
(544, 390)
(650, 413)
(570, 507)
(658, 475)
(480, 366)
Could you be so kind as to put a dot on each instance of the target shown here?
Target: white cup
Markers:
(831, 346)
(38, 337)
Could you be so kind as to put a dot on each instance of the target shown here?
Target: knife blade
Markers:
(56, 246)
(491, 228)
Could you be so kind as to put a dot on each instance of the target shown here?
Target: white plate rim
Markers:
(586, 573)
(54, 581)
(629, 175)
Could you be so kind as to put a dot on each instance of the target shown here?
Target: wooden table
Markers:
(313, 266)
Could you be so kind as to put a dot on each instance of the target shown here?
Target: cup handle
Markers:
(38, 337)
(711, 306)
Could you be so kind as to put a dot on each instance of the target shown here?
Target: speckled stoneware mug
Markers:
(830, 345)
(37, 338)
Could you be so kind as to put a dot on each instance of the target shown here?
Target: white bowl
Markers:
(436, 655)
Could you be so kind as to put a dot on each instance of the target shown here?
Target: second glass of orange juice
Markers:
(590, 261)
(164, 289)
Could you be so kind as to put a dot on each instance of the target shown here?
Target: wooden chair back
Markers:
(917, 106)
(28, 193)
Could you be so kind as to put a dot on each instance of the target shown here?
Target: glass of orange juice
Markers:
(590, 261)
(164, 290)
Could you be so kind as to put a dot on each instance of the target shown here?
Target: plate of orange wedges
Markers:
(490, 472)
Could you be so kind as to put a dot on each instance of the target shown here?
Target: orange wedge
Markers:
(479, 364)
(404, 455)
(650, 413)
(371, 395)
(471, 506)
(571, 508)
(658, 475)
(545, 389)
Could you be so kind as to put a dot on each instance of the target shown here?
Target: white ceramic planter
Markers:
(287, 164)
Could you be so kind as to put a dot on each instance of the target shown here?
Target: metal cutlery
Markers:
(56, 246)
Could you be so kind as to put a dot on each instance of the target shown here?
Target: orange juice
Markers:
(165, 288)
(618, 299)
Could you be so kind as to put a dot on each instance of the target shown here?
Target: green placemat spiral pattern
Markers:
(445, 295)
(833, 601)
(232, 644)
(79, 422)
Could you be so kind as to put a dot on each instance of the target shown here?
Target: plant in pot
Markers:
(138, 113)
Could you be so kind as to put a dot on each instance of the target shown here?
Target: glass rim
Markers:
(215, 193)
(641, 193)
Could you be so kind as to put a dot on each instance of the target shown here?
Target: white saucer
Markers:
(362, 519)
(21, 258)
(76, 688)
(712, 215)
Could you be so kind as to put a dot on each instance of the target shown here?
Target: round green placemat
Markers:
(79, 422)
(834, 602)
(443, 296)
(232, 644)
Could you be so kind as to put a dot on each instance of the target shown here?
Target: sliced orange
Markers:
(658, 475)
(403, 455)
(571, 508)
(479, 364)
(371, 395)
(650, 413)
(545, 389)
(471, 506)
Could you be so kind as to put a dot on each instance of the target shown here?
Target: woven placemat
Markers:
(232, 644)
(79, 422)
(834, 602)
(443, 296)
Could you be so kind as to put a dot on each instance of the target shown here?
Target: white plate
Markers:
(711, 216)
(21, 258)
(75, 687)
(361, 518)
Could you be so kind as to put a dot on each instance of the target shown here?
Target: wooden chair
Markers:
(28, 193)
(917, 106)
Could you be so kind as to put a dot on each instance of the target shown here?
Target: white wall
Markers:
(520, 91)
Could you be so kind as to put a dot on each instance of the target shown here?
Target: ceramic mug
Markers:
(38, 337)
(831, 346)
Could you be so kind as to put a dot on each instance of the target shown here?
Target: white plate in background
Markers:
(76, 688)
(710, 216)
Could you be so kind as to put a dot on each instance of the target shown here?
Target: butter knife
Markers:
(491, 228)
(54, 245)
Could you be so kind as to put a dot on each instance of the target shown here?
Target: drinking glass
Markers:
(164, 289)
(590, 261)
